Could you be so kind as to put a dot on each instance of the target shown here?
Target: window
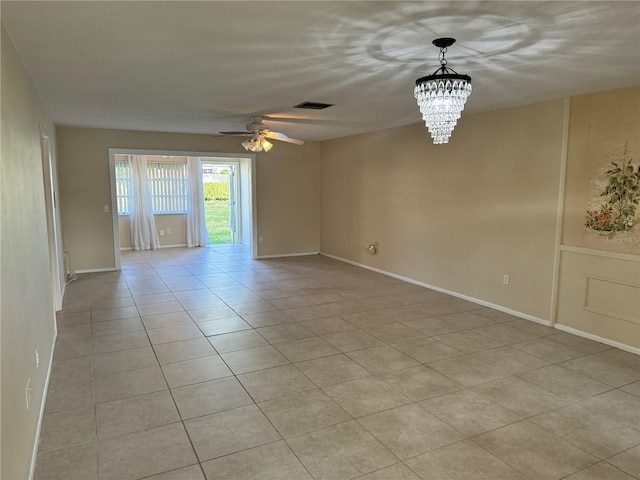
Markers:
(167, 182)
(169, 187)
(123, 187)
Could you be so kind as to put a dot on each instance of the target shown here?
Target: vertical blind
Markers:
(123, 187)
(168, 184)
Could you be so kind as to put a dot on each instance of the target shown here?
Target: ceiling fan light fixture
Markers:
(266, 144)
(259, 135)
(247, 144)
(442, 95)
(257, 144)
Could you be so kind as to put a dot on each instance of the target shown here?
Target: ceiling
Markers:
(205, 67)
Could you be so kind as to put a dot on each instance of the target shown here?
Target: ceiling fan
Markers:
(259, 134)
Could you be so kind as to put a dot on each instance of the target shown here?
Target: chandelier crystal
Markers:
(441, 96)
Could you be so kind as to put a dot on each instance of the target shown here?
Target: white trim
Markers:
(500, 308)
(236, 164)
(253, 204)
(557, 326)
(53, 242)
(590, 336)
(302, 254)
(36, 443)
(605, 313)
(114, 209)
(130, 249)
(555, 281)
(629, 257)
(97, 270)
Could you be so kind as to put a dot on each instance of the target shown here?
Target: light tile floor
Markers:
(203, 363)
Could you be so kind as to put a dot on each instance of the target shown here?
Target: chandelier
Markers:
(257, 143)
(442, 95)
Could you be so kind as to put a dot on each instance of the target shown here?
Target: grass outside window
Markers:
(216, 214)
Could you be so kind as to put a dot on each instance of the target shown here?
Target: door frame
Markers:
(248, 159)
(50, 203)
(237, 235)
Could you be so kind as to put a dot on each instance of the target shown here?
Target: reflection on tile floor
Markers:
(205, 364)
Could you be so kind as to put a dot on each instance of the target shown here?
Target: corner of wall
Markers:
(24, 253)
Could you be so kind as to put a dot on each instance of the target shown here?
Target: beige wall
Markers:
(455, 216)
(599, 295)
(177, 223)
(289, 201)
(27, 314)
(599, 276)
(288, 193)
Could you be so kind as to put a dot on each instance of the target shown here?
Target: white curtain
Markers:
(197, 235)
(143, 225)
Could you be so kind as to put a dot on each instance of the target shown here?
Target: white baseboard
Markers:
(96, 270)
(484, 303)
(596, 338)
(130, 249)
(63, 290)
(573, 331)
(36, 443)
(302, 254)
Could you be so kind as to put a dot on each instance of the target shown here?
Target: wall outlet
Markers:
(260, 239)
(27, 393)
(105, 208)
(505, 279)
(168, 231)
(37, 359)
(162, 233)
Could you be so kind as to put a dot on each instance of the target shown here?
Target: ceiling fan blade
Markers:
(237, 134)
(282, 137)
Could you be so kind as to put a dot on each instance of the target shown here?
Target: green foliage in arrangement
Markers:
(622, 195)
(216, 191)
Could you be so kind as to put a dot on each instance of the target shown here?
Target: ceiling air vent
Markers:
(314, 105)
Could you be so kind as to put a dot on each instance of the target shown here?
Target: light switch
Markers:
(106, 209)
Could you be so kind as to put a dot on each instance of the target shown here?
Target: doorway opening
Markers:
(219, 183)
(230, 212)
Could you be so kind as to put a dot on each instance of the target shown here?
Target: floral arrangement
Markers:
(622, 195)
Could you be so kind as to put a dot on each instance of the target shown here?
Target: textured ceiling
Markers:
(204, 67)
